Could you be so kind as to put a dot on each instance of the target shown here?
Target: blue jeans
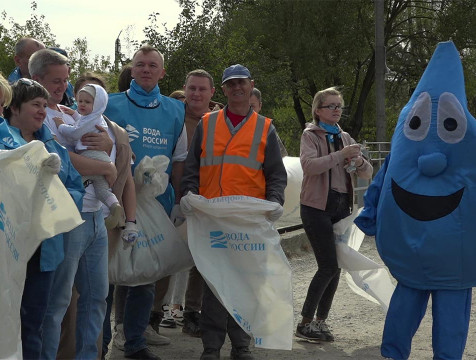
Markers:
(33, 306)
(85, 265)
(137, 310)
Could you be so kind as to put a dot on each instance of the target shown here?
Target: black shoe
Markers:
(191, 325)
(241, 353)
(314, 331)
(144, 354)
(210, 354)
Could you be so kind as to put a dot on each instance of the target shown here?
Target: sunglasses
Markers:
(28, 82)
(331, 107)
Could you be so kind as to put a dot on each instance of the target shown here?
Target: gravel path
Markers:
(356, 323)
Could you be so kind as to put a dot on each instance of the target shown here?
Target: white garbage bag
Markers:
(34, 206)
(237, 251)
(292, 193)
(364, 276)
(160, 250)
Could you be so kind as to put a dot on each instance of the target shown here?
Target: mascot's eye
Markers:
(450, 124)
(417, 123)
(451, 119)
(414, 123)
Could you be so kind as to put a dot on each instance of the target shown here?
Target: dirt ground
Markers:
(356, 323)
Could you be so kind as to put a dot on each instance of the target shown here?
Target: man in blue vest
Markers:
(155, 124)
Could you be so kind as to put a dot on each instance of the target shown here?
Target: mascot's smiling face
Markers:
(426, 213)
(432, 148)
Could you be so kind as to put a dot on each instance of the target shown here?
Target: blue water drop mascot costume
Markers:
(421, 207)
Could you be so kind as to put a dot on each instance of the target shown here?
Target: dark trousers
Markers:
(215, 322)
(194, 293)
(318, 227)
(33, 306)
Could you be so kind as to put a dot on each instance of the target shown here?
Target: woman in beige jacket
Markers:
(330, 158)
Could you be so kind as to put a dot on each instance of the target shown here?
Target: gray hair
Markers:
(23, 42)
(41, 59)
(256, 93)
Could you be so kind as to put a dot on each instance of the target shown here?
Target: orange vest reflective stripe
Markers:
(232, 163)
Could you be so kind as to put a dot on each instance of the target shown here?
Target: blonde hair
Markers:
(319, 99)
(5, 90)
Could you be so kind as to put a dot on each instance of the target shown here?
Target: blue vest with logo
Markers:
(154, 123)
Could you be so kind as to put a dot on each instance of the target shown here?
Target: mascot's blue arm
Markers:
(367, 219)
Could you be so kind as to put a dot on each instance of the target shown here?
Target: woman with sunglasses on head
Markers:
(330, 160)
(25, 116)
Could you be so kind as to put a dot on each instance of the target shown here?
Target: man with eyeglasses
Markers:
(230, 133)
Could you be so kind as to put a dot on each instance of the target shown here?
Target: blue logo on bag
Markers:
(240, 320)
(218, 240)
(7, 228)
(235, 241)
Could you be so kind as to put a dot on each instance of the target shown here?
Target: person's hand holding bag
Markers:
(52, 164)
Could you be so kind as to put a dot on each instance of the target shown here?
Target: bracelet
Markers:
(363, 162)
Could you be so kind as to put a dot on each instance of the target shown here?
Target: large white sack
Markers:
(34, 206)
(160, 250)
(237, 251)
(364, 276)
(292, 193)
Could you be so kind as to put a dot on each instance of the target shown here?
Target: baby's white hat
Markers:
(89, 89)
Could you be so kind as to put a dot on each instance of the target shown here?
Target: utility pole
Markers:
(117, 53)
(380, 68)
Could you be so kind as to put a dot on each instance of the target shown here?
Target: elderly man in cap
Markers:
(246, 143)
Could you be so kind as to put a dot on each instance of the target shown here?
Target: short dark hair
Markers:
(125, 78)
(177, 94)
(89, 77)
(24, 90)
(200, 73)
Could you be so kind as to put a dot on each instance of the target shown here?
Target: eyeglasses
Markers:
(28, 82)
(331, 107)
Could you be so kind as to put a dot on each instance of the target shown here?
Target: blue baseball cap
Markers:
(59, 50)
(236, 71)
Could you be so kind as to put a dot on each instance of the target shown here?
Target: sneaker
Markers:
(144, 354)
(191, 325)
(210, 354)
(177, 315)
(152, 337)
(315, 330)
(119, 339)
(168, 320)
(321, 324)
(241, 353)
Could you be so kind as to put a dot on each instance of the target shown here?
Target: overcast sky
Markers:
(99, 21)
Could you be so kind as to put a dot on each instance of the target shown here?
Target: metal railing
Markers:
(376, 152)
